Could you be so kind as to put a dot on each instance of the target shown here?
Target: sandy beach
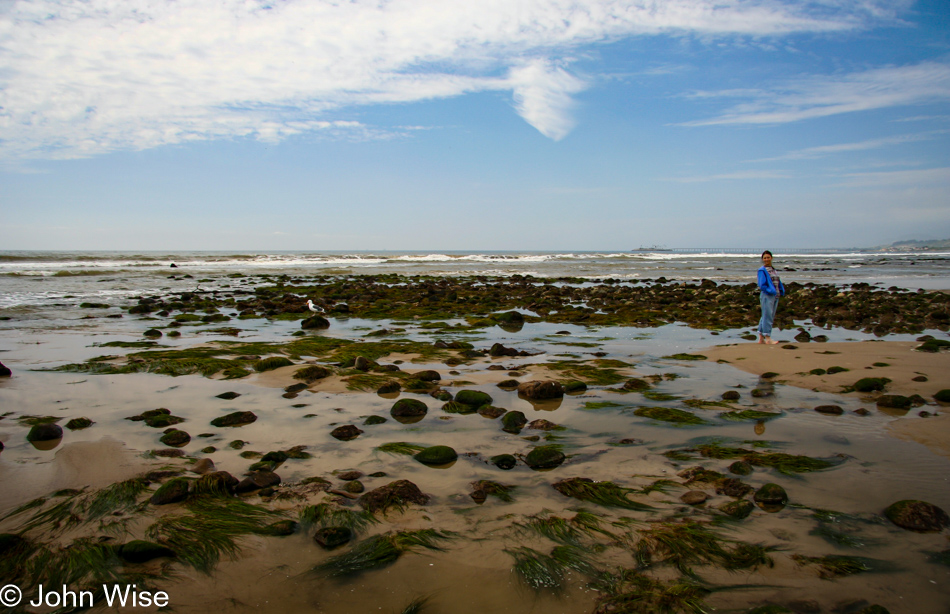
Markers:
(897, 361)
(640, 449)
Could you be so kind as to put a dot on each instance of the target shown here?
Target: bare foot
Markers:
(761, 339)
(771, 341)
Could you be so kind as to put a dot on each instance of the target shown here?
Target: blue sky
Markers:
(472, 125)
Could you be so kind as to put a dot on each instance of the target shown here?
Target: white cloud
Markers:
(84, 77)
(827, 150)
(835, 94)
(739, 175)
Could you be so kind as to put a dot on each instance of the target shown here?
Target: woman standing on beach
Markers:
(770, 289)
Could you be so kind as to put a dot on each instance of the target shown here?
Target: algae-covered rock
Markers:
(395, 494)
(513, 422)
(315, 323)
(77, 424)
(894, 401)
(943, 396)
(389, 387)
(574, 386)
(636, 384)
(473, 398)
(237, 418)
(730, 395)
(333, 537)
(669, 414)
(737, 509)
(871, 384)
(829, 410)
(541, 389)
(544, 457)
(371, 420)
(45, 432)
(918, 516)
(741, 467)
(231, 395)
(503, 461)
(215, 483)
(428, 376)
(454, 407)
(694, 497)
(437, 455)
(408, 408)
(257, 480)
(172, 491)
(771, 495)
(175, 438)
(312, 373)
(491, 412)
(141, 551)
(544, 425)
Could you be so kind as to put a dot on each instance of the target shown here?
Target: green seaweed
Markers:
(630, 592)
(607, 494)
(784, 463)
(200, 539)
(669, 414)
(834, 566)
(749, 414)
(400, 447)
(597, 374)
(379, 551)
(683, 544)
(590, 405)
(329, 515)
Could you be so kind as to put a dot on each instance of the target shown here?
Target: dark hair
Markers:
(764, 253)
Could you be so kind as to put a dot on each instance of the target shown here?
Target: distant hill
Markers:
(917, 246)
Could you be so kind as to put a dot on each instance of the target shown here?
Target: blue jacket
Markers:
(766, 285)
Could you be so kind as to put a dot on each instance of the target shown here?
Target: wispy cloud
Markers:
(84, 77)
(835, 94)
(898, 179)
(737, 176)
(828, 150)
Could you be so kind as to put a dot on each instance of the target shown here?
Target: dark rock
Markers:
(737, 509)
(141, 551)
(500, 350)
(923, 378)
(332, 537)
(347, 476)
(174, 438)
(152, 333)
(77, 424)
(315, 322)
(172, 491)
(203, 466)
(162, 421)
(830, 410)
(771, 495)
(943, 396)
(862, 412)
(312, 373)
(504, 461)
(760, 393)
(732, 487)
(45, 432)
(409, 408)
(216, 483)
(918, 516)
(894, 401)
(427, 376)
(346, 432)
(694, 497)
(395, 494)
(730, 395)
(168, 453)
(543, 425)
(544, 457)
(227, 396)
(5, 371)
(371, 420)
(256, 481)
(436, 455)
(238, 418)
(454, 407)
(389, 387)
(281, 528)
(490, 411)
(509, 384)
(538, 390)
(295, 388)
(741, 468)
(354, 487)
(513, 422)
(636, 384)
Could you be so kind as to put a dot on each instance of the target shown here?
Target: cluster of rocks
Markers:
(491, 301)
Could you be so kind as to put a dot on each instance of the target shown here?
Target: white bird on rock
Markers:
(314, 308)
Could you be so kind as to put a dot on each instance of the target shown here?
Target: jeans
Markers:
(769, 304)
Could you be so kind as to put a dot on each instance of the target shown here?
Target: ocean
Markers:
(39, 277)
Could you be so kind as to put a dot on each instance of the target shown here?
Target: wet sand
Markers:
(474, 572)
(895, 360)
